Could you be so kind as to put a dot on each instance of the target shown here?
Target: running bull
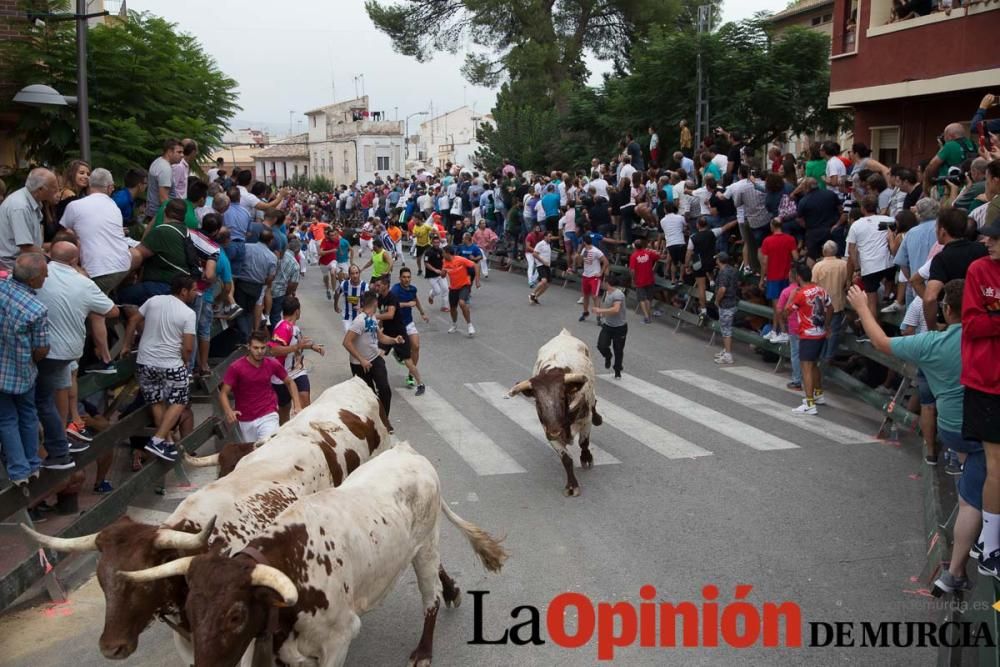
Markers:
(326, 560)
(317, 449)
(563, 389)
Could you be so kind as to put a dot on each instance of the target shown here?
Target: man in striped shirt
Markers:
(352, 289)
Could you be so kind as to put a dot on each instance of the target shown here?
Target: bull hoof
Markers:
(596, 419)
(571, 492)
(586, 461)
(419, 661)
(456, 601)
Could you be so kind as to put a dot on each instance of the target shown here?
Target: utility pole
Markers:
(83, 108)
(290, 114)
(702, 122)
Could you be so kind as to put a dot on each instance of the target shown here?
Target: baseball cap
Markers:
(723, 257)
(992, 230)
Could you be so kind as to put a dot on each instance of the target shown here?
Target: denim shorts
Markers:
(954, 440)
(205, 313)
(970, 484)
(924, 390)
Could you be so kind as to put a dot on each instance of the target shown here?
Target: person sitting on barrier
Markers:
(935, 352)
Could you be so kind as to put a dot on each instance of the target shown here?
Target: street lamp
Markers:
(40, 95)
(406, 139)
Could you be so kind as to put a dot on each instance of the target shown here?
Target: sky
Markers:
(286, 63)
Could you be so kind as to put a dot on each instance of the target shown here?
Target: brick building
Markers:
(907, 79)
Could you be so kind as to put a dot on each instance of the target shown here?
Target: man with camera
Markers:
(952, 262)
(868, 253)
(956, 148)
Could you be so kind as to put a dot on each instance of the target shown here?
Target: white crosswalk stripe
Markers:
(779, 382)
(706, 417)
(522, 412)
(475, 447)
(647, 433)
(773, 409)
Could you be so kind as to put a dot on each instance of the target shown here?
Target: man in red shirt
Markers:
(777, 253)
(981, 378)
(459, 287)
(327, 259)
(249, 381)
(815, 311)
(641, 264)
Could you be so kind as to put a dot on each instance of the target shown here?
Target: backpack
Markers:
(191, 256)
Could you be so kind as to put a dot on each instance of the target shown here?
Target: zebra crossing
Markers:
(486, 456)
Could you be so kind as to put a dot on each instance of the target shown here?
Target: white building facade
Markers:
(450, 137)
(348, 142)
(284, 162)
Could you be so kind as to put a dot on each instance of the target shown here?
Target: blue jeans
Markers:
(19, 434)
(50, 377)
(832, 340)
(793, 342)
(140, 293)
(236, 251)
(276, 303)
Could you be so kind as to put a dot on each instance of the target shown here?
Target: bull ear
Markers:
(523, 387)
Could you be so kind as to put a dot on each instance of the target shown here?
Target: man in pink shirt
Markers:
(249, 381)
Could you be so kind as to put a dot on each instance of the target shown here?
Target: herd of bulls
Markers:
(275, 561)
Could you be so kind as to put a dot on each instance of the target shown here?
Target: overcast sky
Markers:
(291, 60)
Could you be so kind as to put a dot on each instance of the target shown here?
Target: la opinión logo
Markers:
(709, 623)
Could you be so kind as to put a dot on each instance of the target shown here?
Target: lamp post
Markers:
(406, 139)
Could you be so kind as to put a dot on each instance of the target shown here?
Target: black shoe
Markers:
(102, 368)
(931, 459)
(63, 462)
(420, 390)
(607, 361)
(76, 446)
(583, 317)
(618, 375)
(990, 565)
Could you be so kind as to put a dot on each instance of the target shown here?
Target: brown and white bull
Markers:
(316, 450)
(325, 561)
(225, 459)
(562, 385)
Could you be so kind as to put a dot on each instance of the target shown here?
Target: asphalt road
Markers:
(703, 477)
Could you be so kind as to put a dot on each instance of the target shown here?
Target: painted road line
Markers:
(475, 447)
(647, 433)
(780, 382)
(522, 412)
(773, 409)
(706, 417)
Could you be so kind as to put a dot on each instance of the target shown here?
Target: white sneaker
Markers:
(725, 359)
(780, 339)
(580, 300)
(452, 329)
(719, 354)
(472, 331)
(769, 336)
(806, 409)
(820, 400)
(893, 307)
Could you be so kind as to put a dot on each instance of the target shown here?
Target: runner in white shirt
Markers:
(543, 262)
(673, 226)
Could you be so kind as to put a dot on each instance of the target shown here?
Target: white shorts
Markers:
(411, 329)
(259, 428)
(343, 267)
(366, 244)
(327, 268)
(346, 323)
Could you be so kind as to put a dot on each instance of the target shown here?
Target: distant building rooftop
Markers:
(295, 146)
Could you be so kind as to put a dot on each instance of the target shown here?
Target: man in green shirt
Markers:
(956, 149)
(164, 256)
(381, 261)
(196, 196)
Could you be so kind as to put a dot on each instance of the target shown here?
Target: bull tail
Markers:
(487, 548)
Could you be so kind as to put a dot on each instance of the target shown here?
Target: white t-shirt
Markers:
(835, 167)
(600, 186)
(721, 161)
(168, 319)
(591, 261)
(425, 202)
(97, 221)
(249, 201)
(70, 298)
(366, 343)
(213, 175)
(567, 223)
(672, 225)
(872, 243)
(544, 252)
(626, 172)
(703, 195)
(732, 193)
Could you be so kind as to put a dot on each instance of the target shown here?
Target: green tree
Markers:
(148, 81)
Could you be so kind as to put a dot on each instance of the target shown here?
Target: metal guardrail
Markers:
(14, 501)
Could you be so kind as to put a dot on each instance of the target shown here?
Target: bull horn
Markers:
(65, 544)
(201, 461)
(175, 568)
(277, 581)
(519, 387)
(577, 401)
(168, 538)
(571, 378)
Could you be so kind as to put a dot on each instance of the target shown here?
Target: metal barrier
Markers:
(14, 502)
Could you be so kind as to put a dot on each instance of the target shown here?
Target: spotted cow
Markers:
(325, 561)
(317, 449)
(563, 388)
